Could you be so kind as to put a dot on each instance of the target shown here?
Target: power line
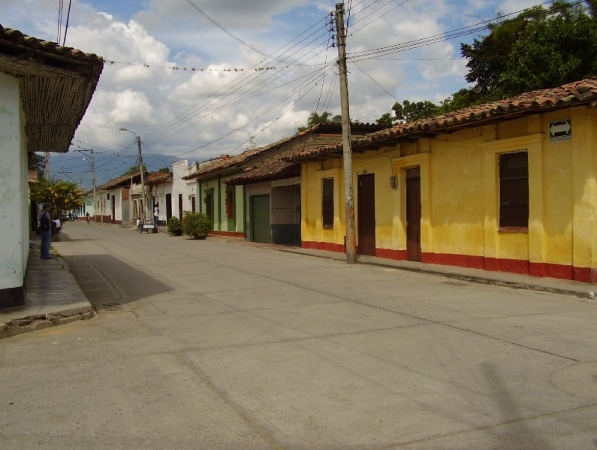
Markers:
(229, 33)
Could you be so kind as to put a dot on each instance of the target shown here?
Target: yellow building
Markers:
(506, 186)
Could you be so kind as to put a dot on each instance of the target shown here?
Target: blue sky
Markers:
(200, 78)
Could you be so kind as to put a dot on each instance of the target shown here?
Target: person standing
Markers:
(45, 225)
(156, 215)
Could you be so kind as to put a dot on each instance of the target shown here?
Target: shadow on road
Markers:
(516, 435)
(104, 278)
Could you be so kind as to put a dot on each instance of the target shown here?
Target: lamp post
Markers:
(140, 157)
(84, 151)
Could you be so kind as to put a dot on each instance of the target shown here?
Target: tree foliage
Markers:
(134, 170)
(62, 196)
(197, 225)
(324, 118)
(410, 111)
(540, 48)
(386, 120)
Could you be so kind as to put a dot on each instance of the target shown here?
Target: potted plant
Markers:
(174, 226)
(196, 225)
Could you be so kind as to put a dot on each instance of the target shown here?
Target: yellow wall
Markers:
(460, 193)
(311, 205)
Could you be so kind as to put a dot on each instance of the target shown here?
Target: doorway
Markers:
(366, 214)
(413, 214)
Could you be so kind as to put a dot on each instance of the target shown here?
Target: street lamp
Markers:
(138, 140)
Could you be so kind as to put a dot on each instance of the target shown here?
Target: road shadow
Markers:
(104, 278)
(515, 434)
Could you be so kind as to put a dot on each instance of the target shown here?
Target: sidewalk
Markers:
(512, 280)
(53, 297)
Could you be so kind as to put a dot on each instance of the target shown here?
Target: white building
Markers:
(45, 90)
(184, 192)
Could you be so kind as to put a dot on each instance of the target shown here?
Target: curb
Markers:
(38, 322)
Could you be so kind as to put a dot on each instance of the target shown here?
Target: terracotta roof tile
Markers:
(276, 165)
(249, 159)
(56, 86)
(154, 178)
(542, 100)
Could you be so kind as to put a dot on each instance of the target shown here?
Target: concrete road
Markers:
(214, 345)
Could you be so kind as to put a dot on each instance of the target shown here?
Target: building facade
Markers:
(508, 186)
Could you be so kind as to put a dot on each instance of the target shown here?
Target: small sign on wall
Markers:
(560, 130)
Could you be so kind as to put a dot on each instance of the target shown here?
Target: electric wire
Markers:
(230, 88)
(252, 82)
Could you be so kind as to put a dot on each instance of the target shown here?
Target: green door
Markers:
(260, 220)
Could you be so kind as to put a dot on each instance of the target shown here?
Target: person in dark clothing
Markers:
(45, 226)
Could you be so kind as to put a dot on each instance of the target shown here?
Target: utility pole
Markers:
(140, 157)
(346, 150)
(142, 177)
(90, 150)
(47, 168)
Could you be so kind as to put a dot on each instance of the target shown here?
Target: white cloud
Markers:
(216, 90)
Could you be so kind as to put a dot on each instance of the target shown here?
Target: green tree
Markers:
(552, 52)
(197, 225)
(409, 112)
(386, 120)
(540, 48)
(134, 170)
(62, 196)
(462, 99)
(324, 118)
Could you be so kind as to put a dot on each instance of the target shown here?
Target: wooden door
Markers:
(260, 218)
(366, 214)
(180, 211)
(168, 207)
(413, 214)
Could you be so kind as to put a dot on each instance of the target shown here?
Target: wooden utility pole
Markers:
(146, 210)
(90, 150)
(347, 153)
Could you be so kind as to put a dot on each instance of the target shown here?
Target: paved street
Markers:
(211, 344)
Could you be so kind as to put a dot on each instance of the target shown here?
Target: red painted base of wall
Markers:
(324, 246)
(398, 255)
(560, 271)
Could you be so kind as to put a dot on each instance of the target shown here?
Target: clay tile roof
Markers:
(56, 86)
(538, 101)
(155, 178)
(250, 159)
(121, 181)
(151, 178)
(276, 165)
(219, 165)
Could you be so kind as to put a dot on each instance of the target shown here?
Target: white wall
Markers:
(14, 210)
(159, 192)
(188, 189)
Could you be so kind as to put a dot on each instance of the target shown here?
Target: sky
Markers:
(196, 79)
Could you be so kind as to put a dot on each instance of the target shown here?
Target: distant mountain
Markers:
(76, 166)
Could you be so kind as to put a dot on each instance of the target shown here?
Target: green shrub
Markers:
(196, 225)
(174, 226)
